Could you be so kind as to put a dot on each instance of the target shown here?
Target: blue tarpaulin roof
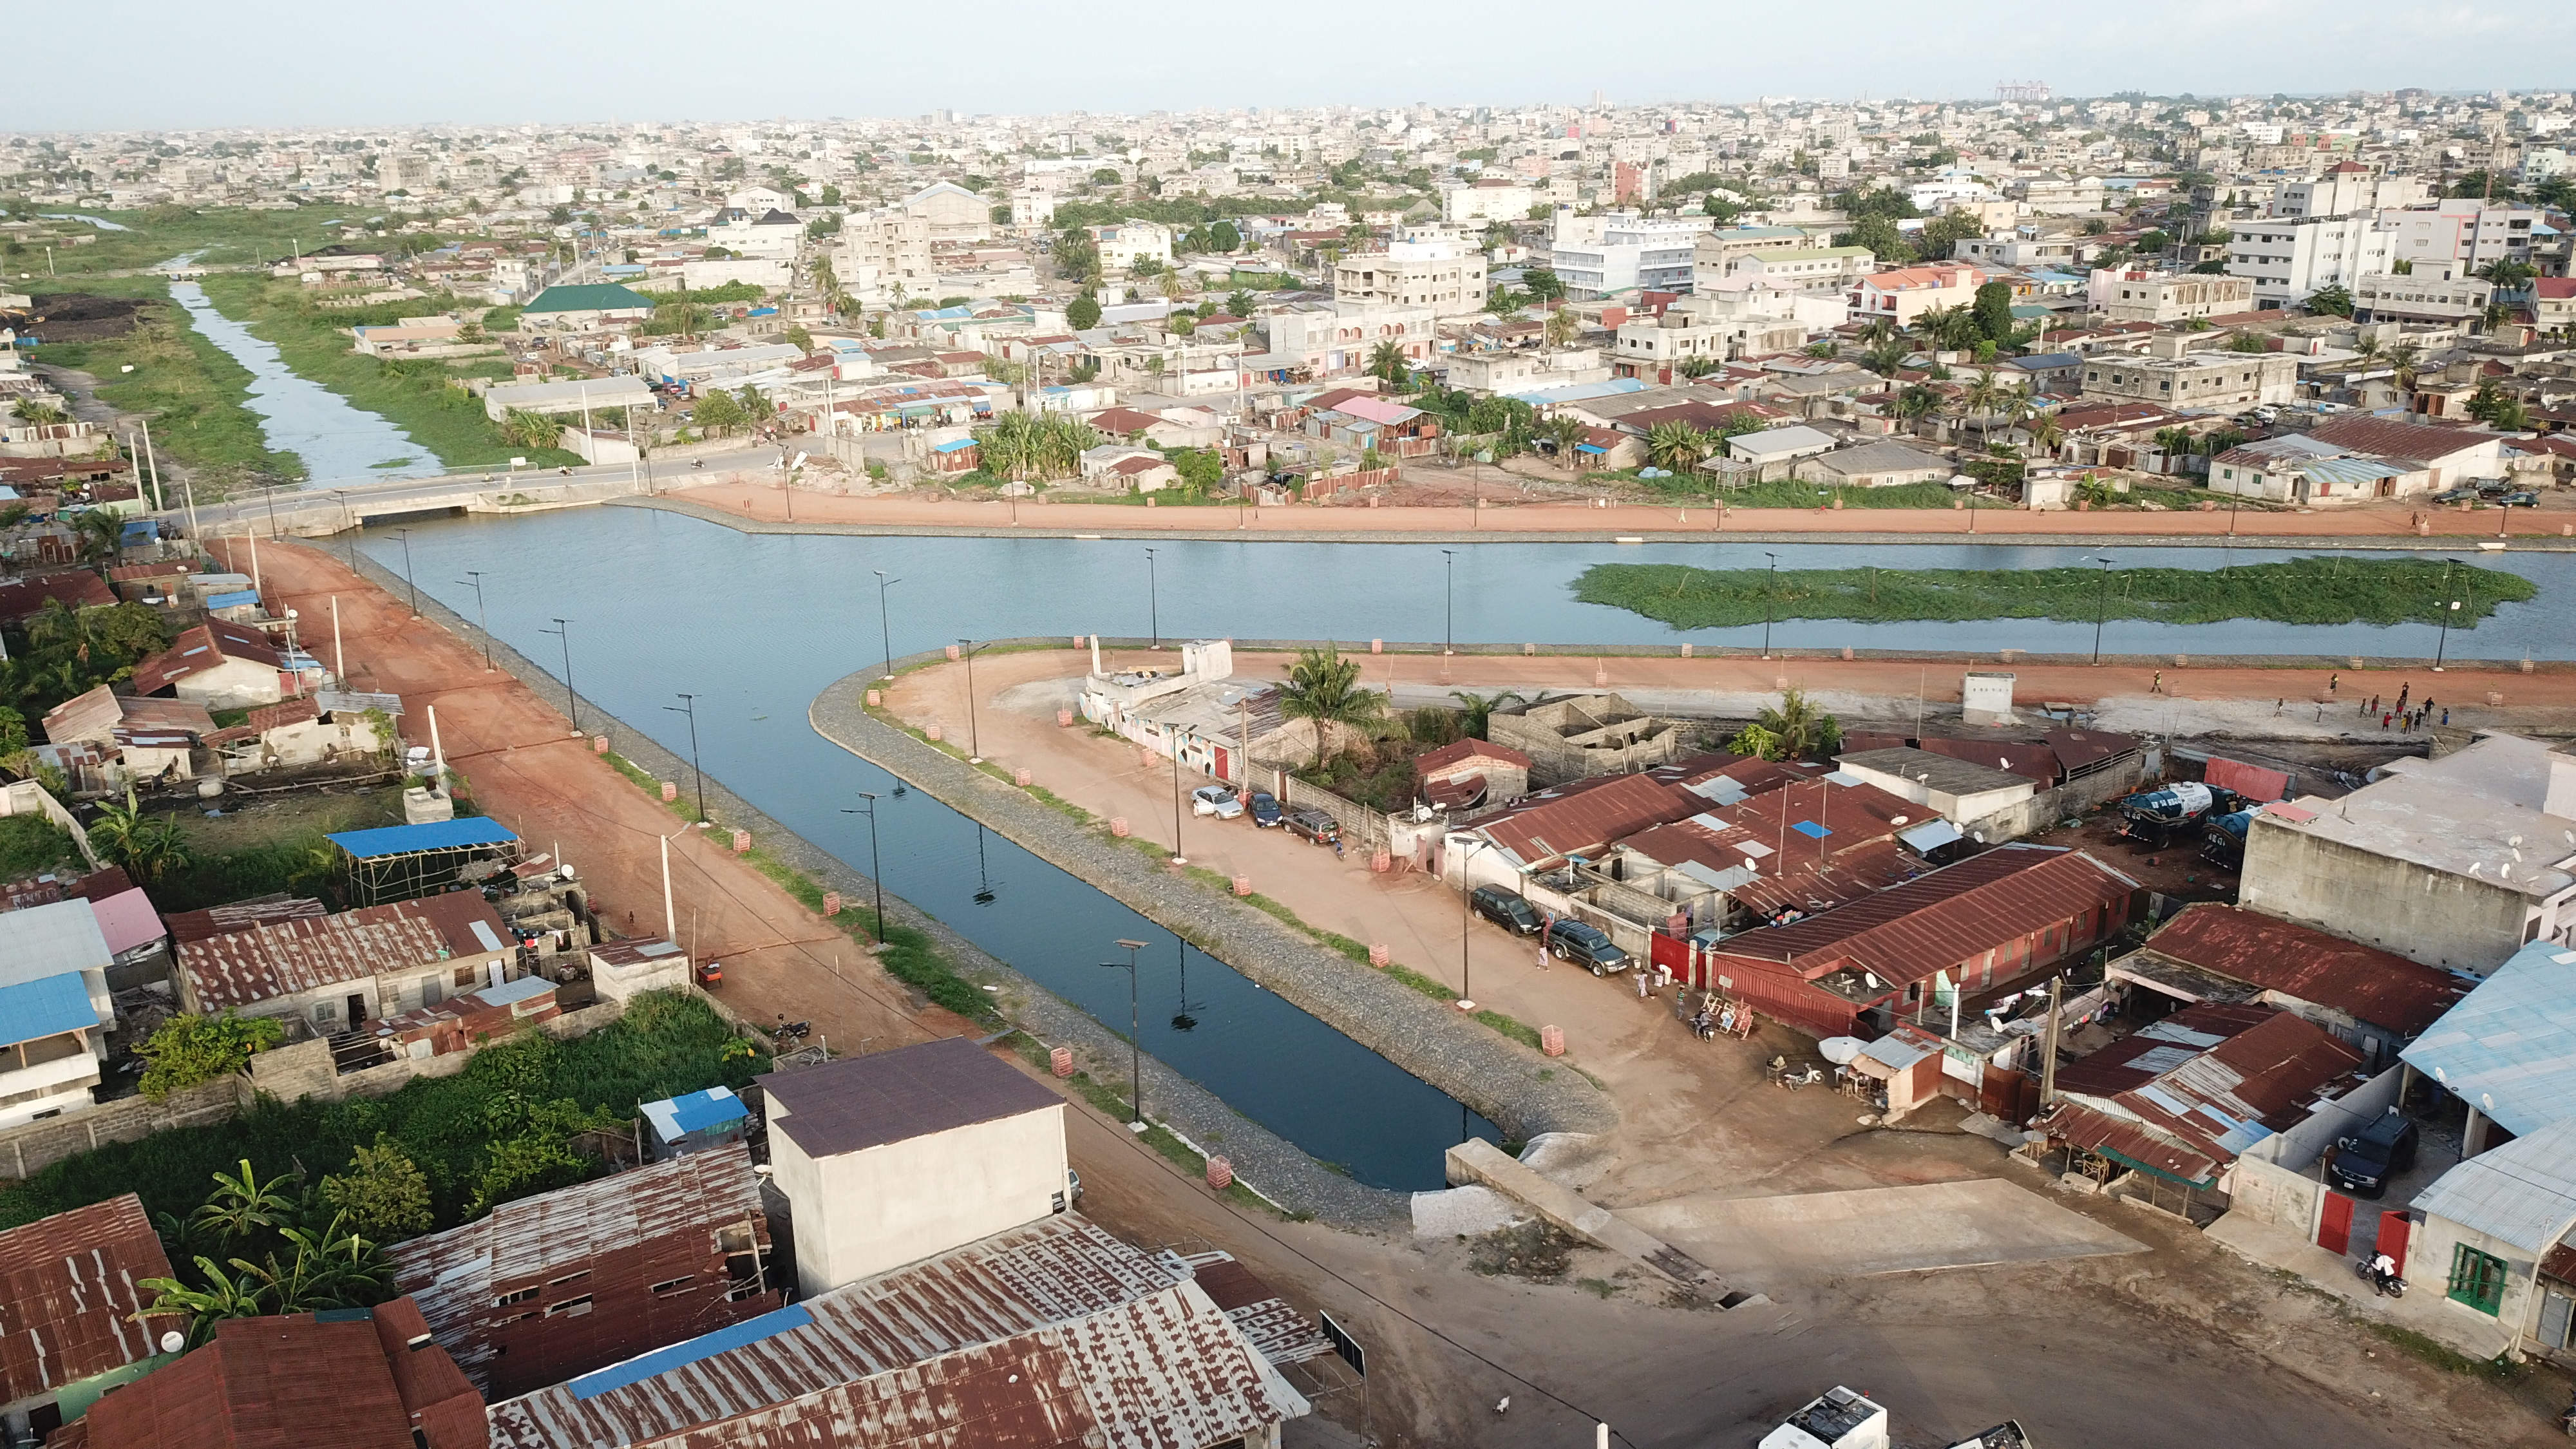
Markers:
(679, 1355)
(700, 1110)
(46, 1006)
(436, 835)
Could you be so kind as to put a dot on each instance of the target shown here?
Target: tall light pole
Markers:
(874, 874)
(1135, 1037)
(1177, 857)
(974, 737)
(405, 535)
(2101, 607)
(563, 630)
(885, 629)
(1153, 601)
(474, 579)
(1770, 590)
(1449, 601)
(688, 705)
(1466, 926)
(2448, 607)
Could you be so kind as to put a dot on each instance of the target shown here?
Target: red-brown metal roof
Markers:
(264, 1383)
(2037, 762)
(78, 589)
(68, 1285)
(2379, 987)
(2149, 1052)
(201, 648)
(279, 958)
(2388, 438)
(1431, 761)
(1588, 815)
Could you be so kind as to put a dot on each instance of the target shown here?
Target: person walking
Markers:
(2403, 691)
(2446, 716)
(2334, 682)
(2280, 706)
(1645, 984)
(2158, 687)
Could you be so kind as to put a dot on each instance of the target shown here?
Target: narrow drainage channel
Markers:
(753, 666)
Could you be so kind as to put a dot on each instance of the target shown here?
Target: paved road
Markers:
(388, 495)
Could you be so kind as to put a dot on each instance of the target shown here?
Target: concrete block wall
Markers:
(35, 1146)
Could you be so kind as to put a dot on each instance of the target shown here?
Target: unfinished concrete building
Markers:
(1586, 735)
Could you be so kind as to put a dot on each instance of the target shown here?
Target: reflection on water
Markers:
(337, 441)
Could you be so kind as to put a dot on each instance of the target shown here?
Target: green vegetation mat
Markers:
(193, 391)
(2314, 590)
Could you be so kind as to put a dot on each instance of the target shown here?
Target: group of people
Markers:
(2401, 716)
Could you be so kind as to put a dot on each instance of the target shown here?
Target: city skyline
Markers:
(584, 62)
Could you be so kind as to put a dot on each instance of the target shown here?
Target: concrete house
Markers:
(54, 1010)
(1960, 791)
(342, 970)
(549, 1287)
(2457, 862)
(902, 1155)
(1873, 465)
(1584, 735)
(1773, 451)
(584, 308)
(72, 1283)
(2495, 1241)
(1466, 773)
(2377, 1000)
(219, 666)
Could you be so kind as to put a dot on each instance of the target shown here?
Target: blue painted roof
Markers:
(519, 990)
(1810, 829)
(711, 1108)
(436, 835)
(2509, 1047)
(140, 528)
(1578, 391)
(233, 601)
(680, 1355)
(957, 445)
(46, 1006)
(2042, 362)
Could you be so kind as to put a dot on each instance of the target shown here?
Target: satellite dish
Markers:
(173, 1341)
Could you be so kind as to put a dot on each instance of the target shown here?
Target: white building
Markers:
(1486, 199)
(54, 1010)
(1123, 244)
(1620, 252)
(884, 258)
(2289, 258)
(1422, 267)
(2464, 230)
(2428, 291)
(2140, 294)
(897, 1156)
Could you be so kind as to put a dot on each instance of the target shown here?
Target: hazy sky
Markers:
(172, 64)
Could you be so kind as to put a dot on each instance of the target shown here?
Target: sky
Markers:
(184, 64)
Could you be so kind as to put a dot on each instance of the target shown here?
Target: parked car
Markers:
(2462, 494)
(1265, 809)
(2362, 1162)
(2494, 487)
(2520, 498)
(1314, 825)
(1506, 909)
(1585, 945)
(1216, 800)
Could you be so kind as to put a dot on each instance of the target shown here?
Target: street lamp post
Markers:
(1770, 588)
(2448, 606)
(974, 736)
(2101, 607)
(885, 629)
(1177, 857)
(563, 630)
(1466, 927)
(1449, 601)
(874, 874)
(474, 579)
(688, 705)
(405, 535)
(1135, 1037)
(1153, 601)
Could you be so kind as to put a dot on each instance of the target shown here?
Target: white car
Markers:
(1216, 800)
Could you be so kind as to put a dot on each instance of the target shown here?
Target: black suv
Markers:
(1585, 945)
(2363, 1161)
(1505, 909)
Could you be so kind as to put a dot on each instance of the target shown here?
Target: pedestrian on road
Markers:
(2280, 706)
(1645, 985)
(2321, 714)
(2384, 719)
(2403, 690)
(2333, 683)
(2428, 704)
(2446, 716)
(2158, 687)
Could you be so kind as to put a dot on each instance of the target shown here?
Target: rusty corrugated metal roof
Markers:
(2379, 987)
(67, 1286)
(1052, 1335)
(279, 958)
(264, 1383)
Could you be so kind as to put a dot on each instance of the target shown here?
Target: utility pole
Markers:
(339, 657)
(688, 705)
(563, 631)
(1135, 1037)
(2101, 607)
(885, 630)
(875, 873)
(473, 579)
(2048, 1051)
(160, 499)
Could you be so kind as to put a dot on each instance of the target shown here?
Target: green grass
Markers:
(667, 1044)
(193, 391)
(32, 845)
(2314, 590)
(423, 397)
(2442, 1356)
(224, 235)
(1784, 493)
(1110, 1102)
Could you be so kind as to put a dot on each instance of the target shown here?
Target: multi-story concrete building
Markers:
(1123, 244)
(1423, 267)
(2463, 230)
(55, 1010)
(1620, 252)
(1898, 295)
(1816, 268)
(2429, 292)
(884, 258)
(2204, 381)
(2138, 294)
(2021, 247)
(1485, 199)
(2289, 258)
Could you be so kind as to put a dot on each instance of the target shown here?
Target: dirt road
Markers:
(771, 503)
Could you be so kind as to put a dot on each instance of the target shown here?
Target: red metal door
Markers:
(2334, 1228)
(2394, 1227)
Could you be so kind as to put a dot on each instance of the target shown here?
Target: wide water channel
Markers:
(756, 625)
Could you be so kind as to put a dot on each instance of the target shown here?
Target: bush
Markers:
(189, 1049)
(32, 845)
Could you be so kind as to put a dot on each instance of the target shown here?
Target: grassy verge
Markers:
(1355, 951)
(193, 391)
(31, 845)
(1113, 1103)
(908, 955)
(425, 398)
(2314, 590)
(2442, 1356)
(1785, 493)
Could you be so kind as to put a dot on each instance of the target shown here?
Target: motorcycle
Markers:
(2389, 1285)
(791, 1030)
(1807, 1078)
(2567, 1419)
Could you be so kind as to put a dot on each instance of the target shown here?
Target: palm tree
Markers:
(1566, 432)
(1885, 358)
(100, 533)
(2366, 349)
(1476, 711)
(1676, 445)
(1563, 326)
(1325, 687)
(2403, 358)
(1386, 362)
(28, 410)
(1917, 401)
(148, 846)
(2046, 433)
(224, 1296)
(2173, 442)
(1792, 730)
(1700, 366)
(1985, 396)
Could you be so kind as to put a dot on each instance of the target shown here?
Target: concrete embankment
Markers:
(1514, 1085)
